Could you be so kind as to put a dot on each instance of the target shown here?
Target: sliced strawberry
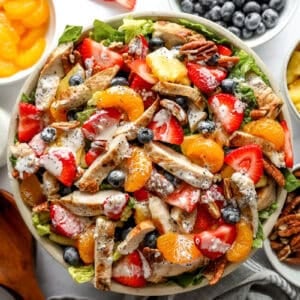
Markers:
(29, 122)
(140, 68)
(248, 160)
(214, 243)
(64, 222)
(206, 78)
(38, 145)
(102, 56)
(228, 109)
(224, 50)
(204, 221)
(138, 47)
(185, 197)
(166, 128)
(61, 163)
(129, 270)
(99, 124)
(144, 89)
(92, 154)
(129, 4)
(288, 148)
(114, 205)
(141, 195)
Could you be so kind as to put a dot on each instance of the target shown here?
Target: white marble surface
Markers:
(53, 278)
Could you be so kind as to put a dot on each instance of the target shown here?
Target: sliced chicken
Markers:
(104, 244)
(160, 215)
(176, 89)
(266, 195)
(159, 184)
(175, 109)
(240, 138)
(195, 115)
(185, 221)
(86, 204)
(21, 150)
(266, 98)
(50, 186)
(135, 237)
(130, 129)
(99, 169)
(161, 268)
(178, 165)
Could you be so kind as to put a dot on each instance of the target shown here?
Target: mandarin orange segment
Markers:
(15, 9)
(139, 168)
(39, 16)
(178, 248)
(31, 36)
(86, 245)
(31, 191)
(30, 56)
(7, 68)
(267, 129)
(57, 115)
(204, 152)
(18, 27)
(9, 40)
(242, 245)
(121, 97)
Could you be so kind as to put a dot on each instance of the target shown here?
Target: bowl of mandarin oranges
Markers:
(26, 32)
(150, 153)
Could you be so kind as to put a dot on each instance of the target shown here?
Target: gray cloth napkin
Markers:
(253, 280)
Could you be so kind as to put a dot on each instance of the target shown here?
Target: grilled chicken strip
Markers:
(159, 184)
(50, 186)
(104, 243)
(240, 138)
(178, 165)
(195, 115)
(175, 109)
(99, 169)
(185, 221)
(266, 195)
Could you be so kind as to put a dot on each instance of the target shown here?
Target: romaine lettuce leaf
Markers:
(266, 213)
(82, 274)
(259, 238)
(82, 116)
(291, 182)
(71, 34)
(41, 222)
(104, 32)
(186, 279)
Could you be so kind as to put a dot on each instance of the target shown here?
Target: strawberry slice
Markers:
(144, 89)
(129, 270)
(223, 50)
(288, 148)
(185, 197)
(38, 145)
(140, 68)
(92, 154)
(214, 243)
(129, 4)
(166, 128)
(204, 221)
(141, 195)
(64, 222)
(98, 125)
(248, 160)
(114, 205)
(60, 162)
(206, 78)
(228, 109)
(102, 57)
(29, 122)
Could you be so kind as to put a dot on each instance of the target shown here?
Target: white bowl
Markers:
(49, 46)
(54, 249)
(284, 17)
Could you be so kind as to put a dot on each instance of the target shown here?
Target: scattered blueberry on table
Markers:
(244, 18)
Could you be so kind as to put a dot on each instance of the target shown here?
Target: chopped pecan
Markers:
(43, 207)
(258, 113)
(65, 126)
(213, 210)
(295, 242)
(199, 50)
(215, 270)
(291, 206)
(284, 252)
(228, 61)
(227, 189)
(288, 218)
(290, 231)
(293, 260)
(274, 172)
(276, 246)
(69, 59)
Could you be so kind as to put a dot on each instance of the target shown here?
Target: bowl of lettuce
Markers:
(116, 33)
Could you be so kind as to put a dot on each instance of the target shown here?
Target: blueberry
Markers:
(239, 3)
(238, 19)
(221, 2)
(182, 101)
(145, 135)
(222, 23)
(270, 17)
(119, 81)
(228, 85)
(264, 7)
(215, 13)
(116, 178)
(207, 3)
(187, 6)
(71, 256)
(48, 134)
(206, 126)
(235, 30)
(227, 10)
(261, 29)
(75, 79)
(213, 60)
(198, 8)
(246, 33)
(156, 43)
(231, 214)
(252, 21)
(251, 6)
(278, 5)
(150, 239)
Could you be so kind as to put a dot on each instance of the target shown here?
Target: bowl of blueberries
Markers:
(255, 22)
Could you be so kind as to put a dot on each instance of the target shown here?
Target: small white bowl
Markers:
(50, 39)
(286, 14)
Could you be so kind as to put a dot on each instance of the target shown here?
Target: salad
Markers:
(149, 152)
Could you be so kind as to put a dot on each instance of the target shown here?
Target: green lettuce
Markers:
(82, 274)
(204, 30)
(104, 32)
(132, 28)
(245, 65)
(291, 181)
(28, 98)
(267, 212)
(187, 279)
(41, 222)
(71, 34)
(82, 116)
(259, 238)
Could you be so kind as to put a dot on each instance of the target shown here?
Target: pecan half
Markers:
(258, 113)
(291, 206)
(215, 270)
(274, 172)
(284, 252)
(199, 49)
